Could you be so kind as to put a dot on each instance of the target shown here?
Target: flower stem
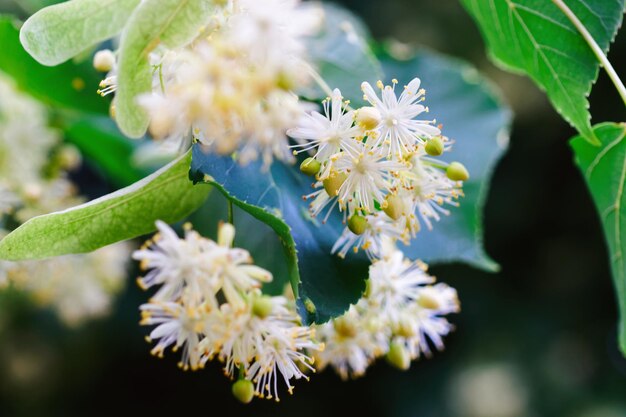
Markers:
(604, 62)
(230, 212)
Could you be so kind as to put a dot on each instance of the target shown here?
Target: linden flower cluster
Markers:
(209, 305)
(232, 88)
(33, 163)
(400, 317)
(378, 165)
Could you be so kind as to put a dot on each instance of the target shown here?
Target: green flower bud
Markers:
(310, 166)
(357, 224)
(262, 306)
(456, 171)
(398, 356)
(394, 206)
(428, 301)
(434, 147)
(333, 183)
(243, 390)
(344, 327)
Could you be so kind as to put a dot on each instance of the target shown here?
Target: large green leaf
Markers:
(59, 32)
(69, 85)
(340, 54)
(604, 169)
(171, 23)
(535, 37)
(327, 284)
(475, 118)
(101, 142)
(130, 212)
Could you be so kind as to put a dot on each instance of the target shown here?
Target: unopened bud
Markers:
(310, 166)
(357, 224)
(69, 157)
(104, 60)
(398, 356)
(456, 171)
(333, 183)
(434, 146)
(394, 206)
(243, 390)
(368, 118)
(262, 306)
(427, 301)
(344, 327)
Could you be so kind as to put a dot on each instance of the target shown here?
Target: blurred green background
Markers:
(536, 339)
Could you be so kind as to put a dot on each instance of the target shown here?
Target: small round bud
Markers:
(394, 206)
(333, 183)
(69, 157)
(403, 328)
(368, 118)
(456, 171)
(357, 224)
(427, 301)
(32, 191)
(104, 60)
(344, 327)
(310, 166)
(262, 306)
(243, 390)
(398, 356)
(368, 289)
(434, 146)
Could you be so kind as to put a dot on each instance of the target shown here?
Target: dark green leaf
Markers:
(130, 212)
(604, 169)
(475, 118)
(471, 114)
(535, 37)
(68, 86)
(275, 198)
(101, 142)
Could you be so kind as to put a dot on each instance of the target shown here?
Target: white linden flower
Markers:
(202, 266)
(178, 326)
(259, 26)
(352, 342)
(394, 282)
(379, 228)
(26, 141)
(369, 177)
(263, 340)
(328, 133)
(430, 189)
(77, 287)
(399, 132)
(173, 262)
(422, 321)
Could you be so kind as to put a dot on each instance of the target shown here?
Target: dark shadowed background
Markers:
(536, 339)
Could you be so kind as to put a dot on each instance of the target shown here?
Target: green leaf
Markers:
(604, 169)
(70, 85)
(101, 142)
(341, 55)
(59, 32)
(473, 116)
(171, 23)
(130, 212)
(318, 278)
(535, 37)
